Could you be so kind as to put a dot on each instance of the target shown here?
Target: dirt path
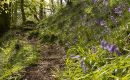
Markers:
(51, 60)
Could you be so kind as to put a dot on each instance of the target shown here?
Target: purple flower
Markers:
(112, 18)
(101, 22)
(118, 52)
(65, 56)
(75, 40)
(118, 11)
(83, 66)
(110, 47)
(103, 44)
(94, 1)
(75, 57)
(128, 9)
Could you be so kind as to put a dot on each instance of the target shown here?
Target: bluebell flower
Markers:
(65, 56)
(118, 52)
(110, 47)
(75, 39)
(107, 47)
(114, 20)
(94, 1)
(118, 10)
(103, 44)
(83, 66)
(101, 22)
(128, 9)
(75, 57)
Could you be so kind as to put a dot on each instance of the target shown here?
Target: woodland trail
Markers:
(51, 59)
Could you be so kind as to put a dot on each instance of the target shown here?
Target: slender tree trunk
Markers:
(61, 2)
(12, 11)
(44, 11)
(15, 12)
(68, 2)
(22, 10)
(41, 10)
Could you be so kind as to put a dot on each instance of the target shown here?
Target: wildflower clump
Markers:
(103, 35)
(110, 47)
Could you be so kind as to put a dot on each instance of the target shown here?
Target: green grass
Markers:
(76, 29)
(81, 35)
(16, 54)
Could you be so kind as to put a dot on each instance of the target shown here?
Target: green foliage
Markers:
(81, 33)
(47, 36)
(16, 55)
(80, 28)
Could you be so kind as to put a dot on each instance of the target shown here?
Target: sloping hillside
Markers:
(96, 38)
(84, 41)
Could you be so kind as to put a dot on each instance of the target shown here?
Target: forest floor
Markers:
(51, 60)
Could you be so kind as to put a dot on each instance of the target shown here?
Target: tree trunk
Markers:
(4, 19)
(41, 10)
(61, 2)
(68, 2)
(15, 13)
(22, 11)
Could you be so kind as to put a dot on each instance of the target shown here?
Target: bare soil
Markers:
(51, 60)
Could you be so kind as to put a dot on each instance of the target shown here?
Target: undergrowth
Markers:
(16, 54)
(96, 37)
